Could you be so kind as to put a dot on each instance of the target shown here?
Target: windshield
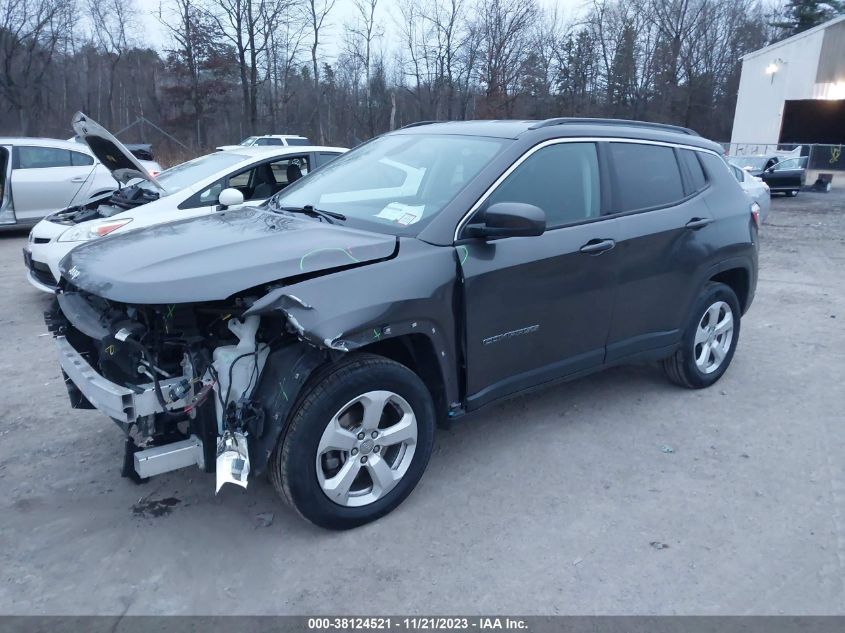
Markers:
(250, 140)
(396, 183)
(190, 173)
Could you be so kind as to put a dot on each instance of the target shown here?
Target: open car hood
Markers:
(110, 152)
(212, 257)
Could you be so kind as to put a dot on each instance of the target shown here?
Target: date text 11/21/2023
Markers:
(416, 623)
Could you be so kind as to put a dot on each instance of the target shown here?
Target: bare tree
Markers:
(361, 38)
(112, 21)
(248, 24)
(505, 28)
(30, 34)
(317, 13)
(284, 48)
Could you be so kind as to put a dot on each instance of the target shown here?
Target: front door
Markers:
(539, 308)
(785, 175)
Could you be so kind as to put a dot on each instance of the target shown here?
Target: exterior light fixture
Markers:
(772, 68)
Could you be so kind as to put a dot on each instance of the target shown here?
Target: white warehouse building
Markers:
(793, 92)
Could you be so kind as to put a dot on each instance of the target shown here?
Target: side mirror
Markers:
(508, 219)
(230, 197)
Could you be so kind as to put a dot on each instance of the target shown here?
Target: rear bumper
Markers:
(118, 402)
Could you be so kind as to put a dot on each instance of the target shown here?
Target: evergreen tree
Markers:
(800, 15)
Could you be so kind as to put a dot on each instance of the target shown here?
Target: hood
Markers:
(212, 257)
(123, 165)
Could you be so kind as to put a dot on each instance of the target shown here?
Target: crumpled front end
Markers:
(183, 381)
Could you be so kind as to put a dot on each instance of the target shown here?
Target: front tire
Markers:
(709, 340)
(358, 442)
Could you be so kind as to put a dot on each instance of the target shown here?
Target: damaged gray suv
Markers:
(321, 337)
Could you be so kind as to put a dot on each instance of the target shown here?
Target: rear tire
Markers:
(358, 442)
(709, 340)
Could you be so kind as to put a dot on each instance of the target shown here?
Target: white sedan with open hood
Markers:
(222, 180)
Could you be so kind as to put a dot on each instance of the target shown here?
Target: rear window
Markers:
(78, 159)
(645, 176)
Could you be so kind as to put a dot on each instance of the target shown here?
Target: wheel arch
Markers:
(738, 278)
(416, 352)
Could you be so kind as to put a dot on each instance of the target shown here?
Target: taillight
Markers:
(755, 214)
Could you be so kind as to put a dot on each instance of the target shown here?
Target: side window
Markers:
(646, 176)
(789, 163)
(298, 141)
(290, 169)
(561, 179)
(269, 141)
(204, 198)
(323, 158)
(78, 159)
(31, 157)
(695, 174)
(241, 180)
(739, 174)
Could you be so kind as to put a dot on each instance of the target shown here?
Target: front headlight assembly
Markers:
(92, 230)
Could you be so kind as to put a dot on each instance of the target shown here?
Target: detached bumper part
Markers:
(163, 459)
(232, 460)
(119, 402)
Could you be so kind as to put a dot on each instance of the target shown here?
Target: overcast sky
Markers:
(344, 10)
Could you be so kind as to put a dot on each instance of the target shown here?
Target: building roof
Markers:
(794, 38)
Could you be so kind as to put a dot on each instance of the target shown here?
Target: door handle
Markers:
(79, 179)
(597, 246)
(697, 223)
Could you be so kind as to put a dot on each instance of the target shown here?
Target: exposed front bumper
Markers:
(121, 403)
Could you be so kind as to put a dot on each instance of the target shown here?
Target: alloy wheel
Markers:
(366, 448)
(713, 337)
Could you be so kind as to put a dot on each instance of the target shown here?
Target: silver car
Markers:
(41, 175)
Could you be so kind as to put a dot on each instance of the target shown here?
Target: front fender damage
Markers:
(414, 294)
(285, 373)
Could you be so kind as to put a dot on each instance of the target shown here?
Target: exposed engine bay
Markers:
(191, 375)
(106, 206)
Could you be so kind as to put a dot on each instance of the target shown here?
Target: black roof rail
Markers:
(590, 121)
(418, 123)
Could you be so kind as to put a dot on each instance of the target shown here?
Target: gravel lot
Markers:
(615, 494)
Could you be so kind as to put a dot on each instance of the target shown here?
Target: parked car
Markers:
(267, 139)
(41, 175)
(756, 189)
(787, 176)
(203, 185)
(320, 338)
(756, 164)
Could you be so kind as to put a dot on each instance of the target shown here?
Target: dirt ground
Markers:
(615, 494)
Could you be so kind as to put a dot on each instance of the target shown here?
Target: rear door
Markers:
(538, 308)
(664, 226)
(46, 179)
